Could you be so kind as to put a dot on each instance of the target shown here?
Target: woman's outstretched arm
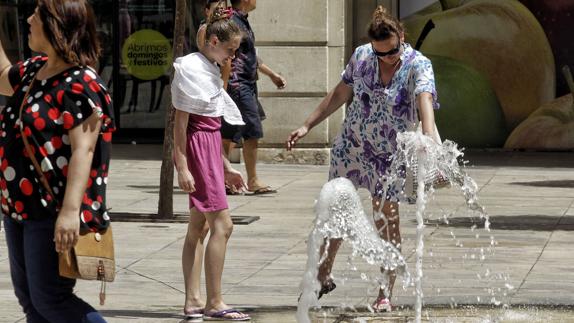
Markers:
(333, 101)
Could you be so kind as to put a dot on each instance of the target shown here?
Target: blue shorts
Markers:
(252, 113)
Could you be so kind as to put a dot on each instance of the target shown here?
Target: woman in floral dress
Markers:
(392, 87)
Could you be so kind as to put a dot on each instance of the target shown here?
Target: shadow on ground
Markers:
(516, 222)
(139, 314)
(501, 158)
(554, 184)
(177, 218)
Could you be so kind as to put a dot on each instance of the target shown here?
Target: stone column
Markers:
(308, 42)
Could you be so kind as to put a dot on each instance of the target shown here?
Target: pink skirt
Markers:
(206, 166)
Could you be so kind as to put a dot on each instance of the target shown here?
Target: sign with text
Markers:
(147, 54)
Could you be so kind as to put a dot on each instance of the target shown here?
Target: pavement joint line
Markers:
(135, 202)
(155, 280)
(153, 253)
(292, 181)
(239, 206)
(543, 249)
(270, 262)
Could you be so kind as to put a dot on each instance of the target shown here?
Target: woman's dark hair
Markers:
(383, 25)
(221, 25)
(70, 27)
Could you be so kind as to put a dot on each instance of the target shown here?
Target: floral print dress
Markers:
(363, 150)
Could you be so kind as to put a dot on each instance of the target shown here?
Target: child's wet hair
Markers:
(221, 25)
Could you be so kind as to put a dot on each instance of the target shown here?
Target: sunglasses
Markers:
(393, 51)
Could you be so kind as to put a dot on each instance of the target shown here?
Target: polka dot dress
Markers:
(53, 107)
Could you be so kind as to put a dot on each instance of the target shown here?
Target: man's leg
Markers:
(230, 136)
(251, 133)
(250, 158)
(228, 146)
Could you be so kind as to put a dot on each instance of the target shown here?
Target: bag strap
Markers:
(37, 166)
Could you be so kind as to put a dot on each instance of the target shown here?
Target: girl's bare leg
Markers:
(192, 260)
(221, 228)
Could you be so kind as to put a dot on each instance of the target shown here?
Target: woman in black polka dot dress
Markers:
(62, 107)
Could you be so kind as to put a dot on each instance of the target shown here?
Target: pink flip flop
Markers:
(382, 305)
(223, 316)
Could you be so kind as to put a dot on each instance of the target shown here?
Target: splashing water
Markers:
(340, 215)
(415, 150)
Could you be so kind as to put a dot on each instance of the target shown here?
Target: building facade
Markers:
(307, 41)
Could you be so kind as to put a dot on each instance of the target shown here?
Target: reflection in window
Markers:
(145, 31)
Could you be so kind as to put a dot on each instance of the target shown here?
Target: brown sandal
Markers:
(263, 190)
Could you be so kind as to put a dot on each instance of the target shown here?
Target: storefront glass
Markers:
(145, 33)
(136, 38)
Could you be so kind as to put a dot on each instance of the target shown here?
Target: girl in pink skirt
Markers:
(202, 171)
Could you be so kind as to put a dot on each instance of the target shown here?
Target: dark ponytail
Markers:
(383, 25)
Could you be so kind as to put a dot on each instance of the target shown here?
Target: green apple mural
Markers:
(470, 113)
(551, 127)
(500, 39)
(468, 102)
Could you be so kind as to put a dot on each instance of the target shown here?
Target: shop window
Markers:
(145, 36)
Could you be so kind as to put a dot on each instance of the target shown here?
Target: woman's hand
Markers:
(295, 136)
(186, 181)
(277, 79)
(334, 99)
(234, 180)
(67, 229)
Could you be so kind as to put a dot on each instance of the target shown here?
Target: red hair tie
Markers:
(227, 13)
